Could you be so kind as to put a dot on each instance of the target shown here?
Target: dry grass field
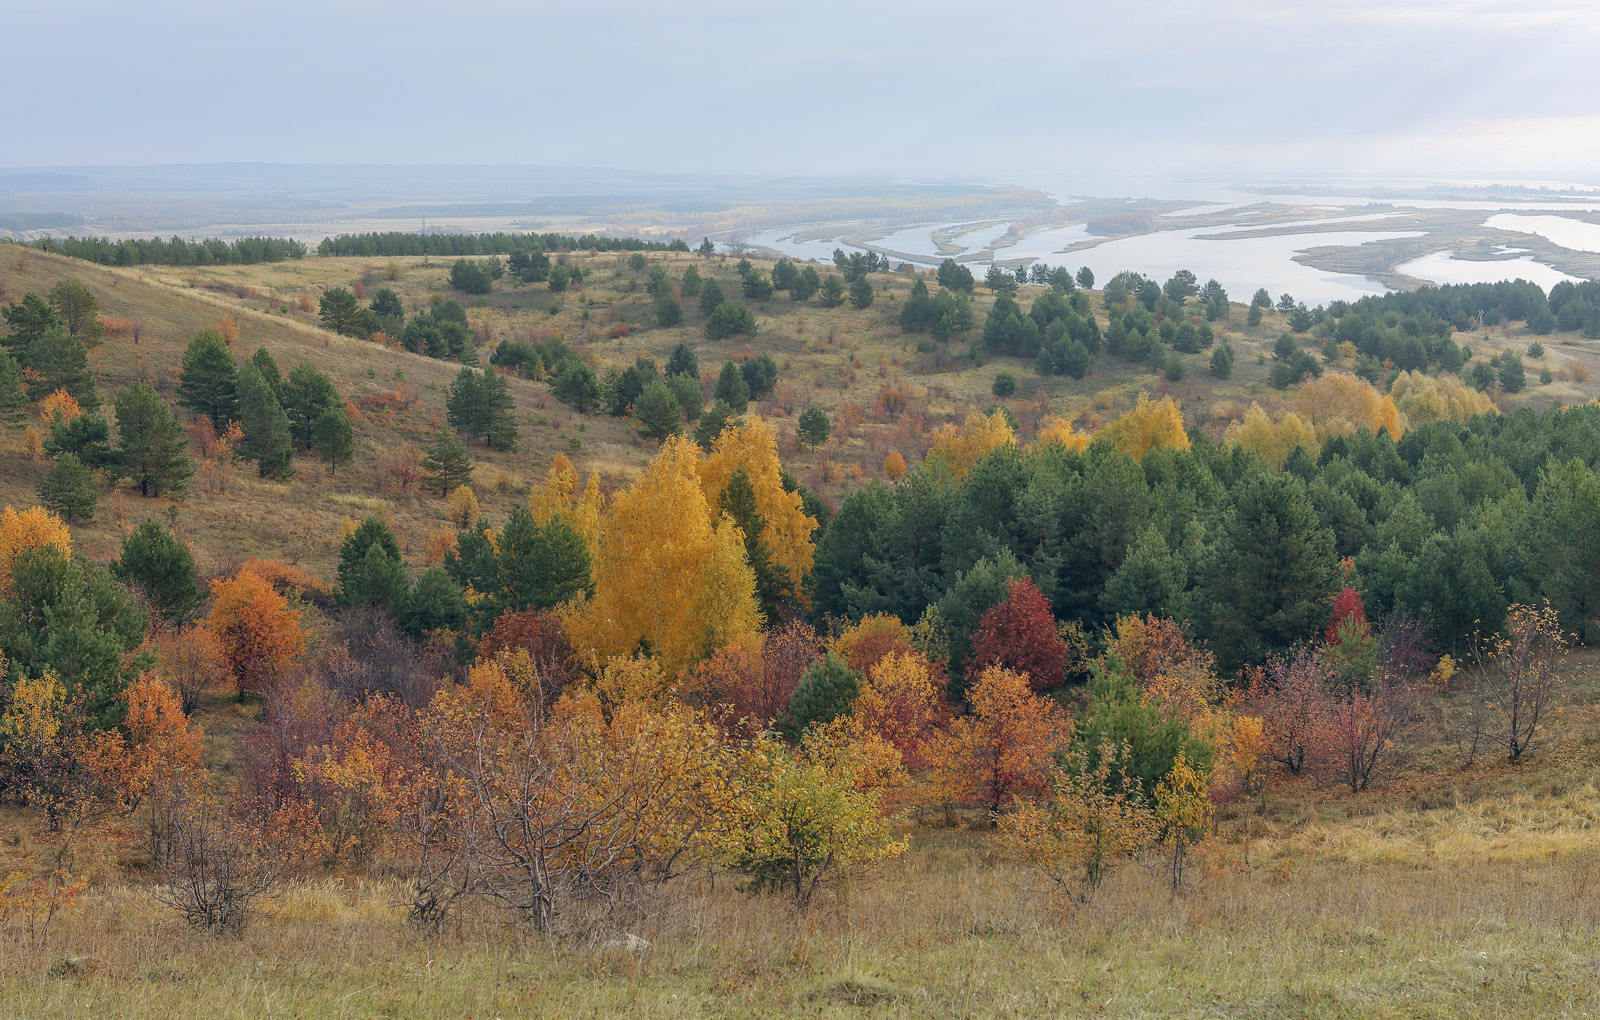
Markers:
(1454, 892)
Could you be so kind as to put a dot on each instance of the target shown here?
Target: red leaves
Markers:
(1020, 634)
(1346, 607)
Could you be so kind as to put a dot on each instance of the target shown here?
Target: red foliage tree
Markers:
(541, 635)
(1291, 696)
(756, 687)
(1346, 607)
(1020, 634)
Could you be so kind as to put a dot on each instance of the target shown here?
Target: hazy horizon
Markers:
(1449, 87)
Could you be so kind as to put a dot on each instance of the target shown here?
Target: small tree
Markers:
(825, 692)
(798, 824)
(212, 865)
(1092, 822)
(334, 439)
(462, 507)
(733, 388)
(161, 567)
(1004, 751)
(658, 410)
(1020, 633)
(267, 437)
(79, 310)
(209, 382)
(69, 489)
(832, 291)
(340, 311)
(447, 465)
(813, 426)
(861, 292)
(1183, 810)
(151, 449)
(1522, 672)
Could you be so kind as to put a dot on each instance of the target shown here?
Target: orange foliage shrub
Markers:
(60, 405)
(437, 545)
(283, 577)
(894, 466)
(894, 396)
(1004, 751)
(260, 634)
(193, 661)
(874, 637)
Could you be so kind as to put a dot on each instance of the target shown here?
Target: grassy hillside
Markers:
(1456, 890)
(838, 359)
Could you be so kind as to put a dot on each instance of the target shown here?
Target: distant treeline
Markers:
(456, 245)
(245, 251)
(1569, 306)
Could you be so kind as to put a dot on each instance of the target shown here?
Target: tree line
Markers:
(175, 251)
(407, 243)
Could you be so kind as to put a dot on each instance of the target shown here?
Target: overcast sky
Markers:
(1008, 90)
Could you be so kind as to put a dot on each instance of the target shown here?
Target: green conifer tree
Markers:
(267, 438)
(151, 450)
(209, 382)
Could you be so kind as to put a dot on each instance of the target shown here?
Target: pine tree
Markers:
(79, 310)
(87, 437)
(1150, 580)
(711, 297)
(71, 617)
(832, 291)
(658, 411)
(151, 449)
(540, 566)
(268, 368)
(824, 693)
(209, 382)
(683, 361)
(1272, 575)
(712, 422)
(447, 464)
(371, 572)
(732, 388)
(69, 489)
(500, 426)
(813, 426)
(774, 586)
(59, 360)
(163, 569)
(576, 386)
(861, 292)
(28, 319)
(435, 602)
(305, 395)
(466, 406)
(13, 398)
(267, 438)
(335, 440)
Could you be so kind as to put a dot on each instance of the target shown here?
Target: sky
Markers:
(934, 89)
